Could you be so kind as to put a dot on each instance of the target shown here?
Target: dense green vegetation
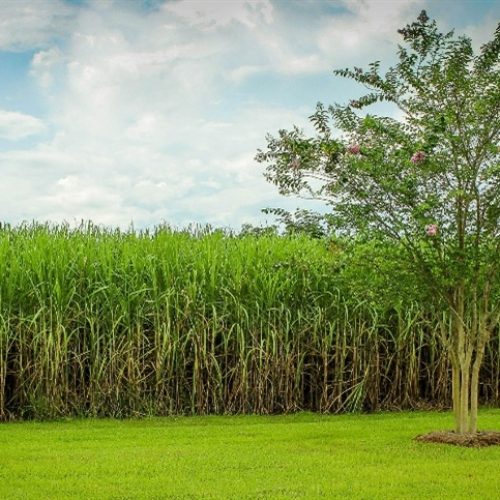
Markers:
(242, 457)
(109, 323)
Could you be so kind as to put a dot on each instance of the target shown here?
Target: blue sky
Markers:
(152, 111)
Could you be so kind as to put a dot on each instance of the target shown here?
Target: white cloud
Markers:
(367, 30)
(15, 126)
(240, 73)
(26, 24)
(44, 64)
(212, 14)
(483, 33)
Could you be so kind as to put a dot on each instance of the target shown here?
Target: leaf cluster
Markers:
(439, 165)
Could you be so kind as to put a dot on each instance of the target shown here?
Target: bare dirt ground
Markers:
(477, 440)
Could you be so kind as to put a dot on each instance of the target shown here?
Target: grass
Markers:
(296, 456)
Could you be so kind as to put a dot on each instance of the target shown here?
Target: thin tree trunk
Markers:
(455, 383)
(464, 396)
(473, 397)
(484, 337)
(463, 354)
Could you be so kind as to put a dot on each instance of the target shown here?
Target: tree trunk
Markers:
(474, 397)
(464, 390)
(484, 336)
(464, 396)
(465, 385)
(456, 393)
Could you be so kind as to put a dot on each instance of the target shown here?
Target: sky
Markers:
(152, 111)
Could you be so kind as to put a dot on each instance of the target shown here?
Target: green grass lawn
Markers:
(295, 456)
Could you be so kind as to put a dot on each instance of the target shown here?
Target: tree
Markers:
(430, 182)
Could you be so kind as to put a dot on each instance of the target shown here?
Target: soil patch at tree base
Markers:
(476, 440)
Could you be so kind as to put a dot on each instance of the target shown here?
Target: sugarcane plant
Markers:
(428, 181)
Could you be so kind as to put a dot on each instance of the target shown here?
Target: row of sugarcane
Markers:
(109, 323)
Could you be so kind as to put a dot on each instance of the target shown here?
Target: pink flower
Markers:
(418, 157)
(431, 229)
(354, 149)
